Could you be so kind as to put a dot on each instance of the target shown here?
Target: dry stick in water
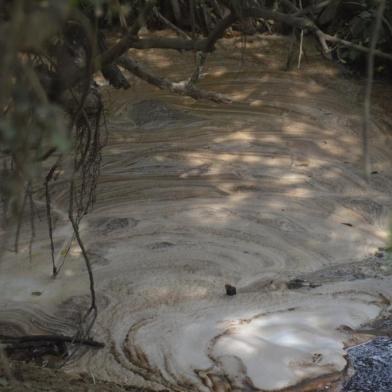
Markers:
(368, 89)
(32, 220)
(300, 52)
(213, 37)
(5, 339)
(82, 333)
(93, 306)
(19, 223)
(49, 215)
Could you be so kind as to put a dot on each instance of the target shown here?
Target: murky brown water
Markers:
(194, 195)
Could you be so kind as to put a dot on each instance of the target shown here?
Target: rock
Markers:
(108, 225)
(36, 293)
(161, 245)
(230, 290)
(372, 363)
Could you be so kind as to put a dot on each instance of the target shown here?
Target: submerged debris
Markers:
(298, 283)
(230, 290)
(156, 114)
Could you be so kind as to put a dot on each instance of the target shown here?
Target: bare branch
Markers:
(48, 178)
(368, 89)
(360, 48)
(182, 88)
(307, 24)
(15, 340)
(123, 45)
(75, 226)
(209, 45)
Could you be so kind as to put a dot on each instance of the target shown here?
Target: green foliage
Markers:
(31, 127)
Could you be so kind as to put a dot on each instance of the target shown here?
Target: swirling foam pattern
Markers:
(196, 195)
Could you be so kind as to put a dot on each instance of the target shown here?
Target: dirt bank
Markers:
(32, 378)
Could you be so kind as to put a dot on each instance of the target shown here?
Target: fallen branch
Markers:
(44, 339)
(360, 48)
(182, 88)
(48, 178)
(75, 226)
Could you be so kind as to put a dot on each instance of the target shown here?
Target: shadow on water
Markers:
(195, 195)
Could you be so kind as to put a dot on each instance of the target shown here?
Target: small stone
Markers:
(3, 382)
(372, 366)
(36, 293)
(230, 290)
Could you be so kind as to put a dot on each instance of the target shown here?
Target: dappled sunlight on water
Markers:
(253, 194)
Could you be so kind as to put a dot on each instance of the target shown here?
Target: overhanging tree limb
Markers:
(123, 45)
(360, 48)
(182, 88)
(307, 24)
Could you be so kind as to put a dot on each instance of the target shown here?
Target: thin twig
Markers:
(213, 37)
(32, 220)
(368, 89)
(19, 222)
(171, 25)
(301, 41)
(75, 227)
(48, 178)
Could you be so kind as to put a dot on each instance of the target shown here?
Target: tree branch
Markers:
(15, 340)
(360, 48)
(182, 88)
(209, 45)
(123, 45)
(307, 24)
